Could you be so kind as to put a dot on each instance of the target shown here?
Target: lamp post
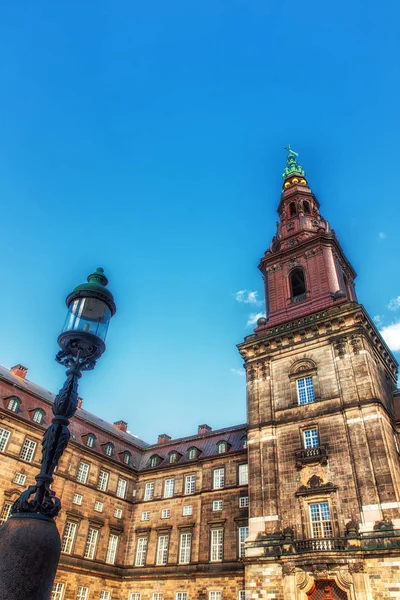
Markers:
(29, 540)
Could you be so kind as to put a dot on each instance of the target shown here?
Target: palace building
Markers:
(301, 502)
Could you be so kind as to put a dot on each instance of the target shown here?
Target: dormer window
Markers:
(154, 460)
(297, 285)
(292, 209)
(109, 449)
(193, 453)
(173, 457)
(306, 207)
(90, 439)
(222, 447)
(13, 403)
(127, 458)
(38, 416)
(244, 441)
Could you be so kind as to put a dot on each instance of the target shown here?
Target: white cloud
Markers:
(247, 297)
(378, 320)
(253, 318)
(391, 335)
(394, 304)
(240, 372)
(382, 235)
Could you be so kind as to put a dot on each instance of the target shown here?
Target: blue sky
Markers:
(147, 138)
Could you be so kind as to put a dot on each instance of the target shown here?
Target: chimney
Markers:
(204, 429)
(19, 371)
(80, 402)
(121, 425)
(164, 438)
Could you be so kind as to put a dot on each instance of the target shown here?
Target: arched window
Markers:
(244, 441)
(154, 460)
(38, 416)
(297, 285)
(222, 447)
(192, 453)
(292, 209)
(13, 403)
(109, 449)
(173, 457)
(127, 457)
(306, 207)
(90, 439)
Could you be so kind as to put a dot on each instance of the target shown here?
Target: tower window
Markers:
(297, 285)
(320, 517)
(292, 209)
(306, 207)
(305, 390)
(311, 438)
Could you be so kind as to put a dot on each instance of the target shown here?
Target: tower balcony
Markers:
(306, 456)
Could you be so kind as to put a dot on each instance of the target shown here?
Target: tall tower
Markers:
(324, 469)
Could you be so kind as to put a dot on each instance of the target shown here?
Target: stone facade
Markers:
(302, 502)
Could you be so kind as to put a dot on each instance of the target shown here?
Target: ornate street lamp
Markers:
(29, 540)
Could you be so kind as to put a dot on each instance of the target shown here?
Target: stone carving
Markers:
(289, 568)
(352, 528)
(355, 344)
(340, 347)
(315, 485)
(356, 567)
(383, 526)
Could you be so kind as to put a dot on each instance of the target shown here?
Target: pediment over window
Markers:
(302, 367)
(315, 485)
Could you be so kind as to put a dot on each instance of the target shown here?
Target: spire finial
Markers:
(292, 167)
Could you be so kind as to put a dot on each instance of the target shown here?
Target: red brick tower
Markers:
(305, 269)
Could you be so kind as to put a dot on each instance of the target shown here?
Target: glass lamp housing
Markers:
(90, 315)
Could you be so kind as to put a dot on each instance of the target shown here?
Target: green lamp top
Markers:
(292, 168)
(95, 287)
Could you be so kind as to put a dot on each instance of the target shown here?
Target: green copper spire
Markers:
(292, 168)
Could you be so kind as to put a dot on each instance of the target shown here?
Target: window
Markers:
(243, 535)
(5, 511)
(214, 595)
(244, 441)
(181, 596)
(83, 472)
(4, 437)
(109, 449)
(121, 488)
(105, 595)
(146, 515)
(157, 596)
(91, 543)
(102, 482)
(241, 595)
(28, 450)
(134, 596)
(185, 548)
(90, 439)
(38, 416)
(305, 390)
(57, 592)
(98, 506)
(218, 479)
(118, 513)
(192, 454)
(162, 550)
(292, 209)
(297, 285)
(112, 549)
(190, 484)
(154, 460)
(149, 491)
(306, 207)
(19, 478)
(127, 458)
(217, 505)
(165, 513)
(169, 488)
(243, 501)
(141, 551)
(320, 517)
(13, 404)
(187, 510)
(173, 457)
(82, 593)
(68, 538)
(311, 438)
(243, 474)
(217, 545)
(222, 447)
(77, 499)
